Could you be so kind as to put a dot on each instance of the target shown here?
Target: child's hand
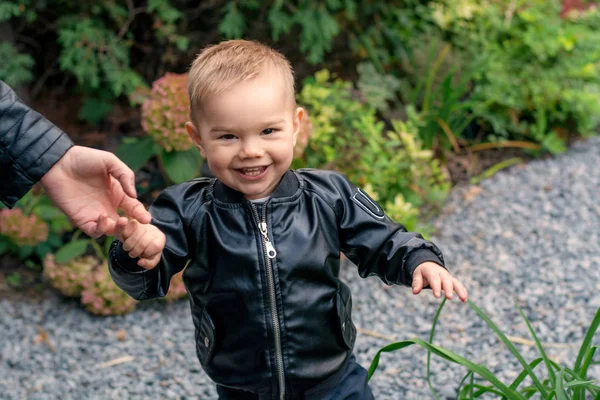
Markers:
(438, 278)
(141, 240)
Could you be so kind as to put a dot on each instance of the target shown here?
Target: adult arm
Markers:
(30, 145)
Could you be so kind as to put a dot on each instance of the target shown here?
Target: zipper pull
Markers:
(271, 252)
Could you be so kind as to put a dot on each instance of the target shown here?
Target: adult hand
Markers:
(89, 185)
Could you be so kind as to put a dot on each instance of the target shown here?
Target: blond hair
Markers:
(220, 66)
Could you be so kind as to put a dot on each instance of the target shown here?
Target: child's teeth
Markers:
(252, 171)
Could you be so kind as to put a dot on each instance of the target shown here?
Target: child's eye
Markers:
(228, 137)
(268, 131)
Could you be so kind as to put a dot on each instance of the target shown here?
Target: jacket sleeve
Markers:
(141, 284)
(29, 146)
(375, 243)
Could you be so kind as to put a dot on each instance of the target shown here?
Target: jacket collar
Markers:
(288, 185)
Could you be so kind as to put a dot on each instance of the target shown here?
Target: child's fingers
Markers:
(150, 244)
(417, 283)
(132, 233)
(461, 291)
(448, 286)
(149, 263)
(435, 284)
(119, 228)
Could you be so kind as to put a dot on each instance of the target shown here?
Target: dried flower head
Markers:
(23, 230)
(101, 296)
(165, 112)
(69, 278)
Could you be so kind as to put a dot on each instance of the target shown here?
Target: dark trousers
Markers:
(350, 383)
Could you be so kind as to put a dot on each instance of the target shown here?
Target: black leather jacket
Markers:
(29, 146)
(269, 309)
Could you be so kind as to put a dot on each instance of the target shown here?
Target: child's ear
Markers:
(298, 115)
(195, 136)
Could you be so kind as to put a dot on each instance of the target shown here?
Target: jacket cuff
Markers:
(420, 256)
(121, 259)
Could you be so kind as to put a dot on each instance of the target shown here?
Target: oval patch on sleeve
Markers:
(368, 204)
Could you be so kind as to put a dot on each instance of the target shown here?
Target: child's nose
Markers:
(251, 149)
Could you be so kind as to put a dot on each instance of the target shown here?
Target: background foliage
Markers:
(394, 91)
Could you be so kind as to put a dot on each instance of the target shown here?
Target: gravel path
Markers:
(529, 235)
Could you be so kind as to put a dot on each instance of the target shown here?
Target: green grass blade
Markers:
(512, 349)
(587, 341)
(431, 336)
(538, 344)
(460, 388)
(587, 359)
(521, 377)
(577, 383)
(449, 356)
(560, 389)
(481, 390)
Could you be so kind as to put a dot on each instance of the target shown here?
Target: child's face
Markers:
(247, 134)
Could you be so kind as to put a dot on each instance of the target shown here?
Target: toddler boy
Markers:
(272, 318)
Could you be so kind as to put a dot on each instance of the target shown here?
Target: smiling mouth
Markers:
(252, 172)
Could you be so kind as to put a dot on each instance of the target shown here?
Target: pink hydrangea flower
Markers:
(165, 112)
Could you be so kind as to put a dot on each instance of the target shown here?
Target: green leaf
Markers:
(511, 347)
(24, 252)
(587, 342)
(94, 110)
(538, 344)
(71, 250)
(181, 166)
(449, 356)
(42, 249)
(16, 67)
(47, 212)
(233, 23)
(136, 153)
(4, 245)
(8, 10)
(54, 240)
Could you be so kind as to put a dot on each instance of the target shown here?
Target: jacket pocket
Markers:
(343, 303)
(205, 338)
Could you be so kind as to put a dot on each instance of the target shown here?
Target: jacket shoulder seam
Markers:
(325, 200)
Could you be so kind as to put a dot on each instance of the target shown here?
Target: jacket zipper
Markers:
(270, 253)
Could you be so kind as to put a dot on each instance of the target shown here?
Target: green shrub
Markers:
(69, 278)
(101, 296)
(93, 41)
(32, 229)
(541, 72)
(349, 137)
(165, 110)
(16, 67)
(375, 30)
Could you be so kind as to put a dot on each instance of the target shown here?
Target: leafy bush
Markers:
(69, 278)
(101, 296)
(165, 110)
(561, 382)
(541, 73)
(32, 229)
(374, 30)
(16, 68)
(349, 137)
(93, 41)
